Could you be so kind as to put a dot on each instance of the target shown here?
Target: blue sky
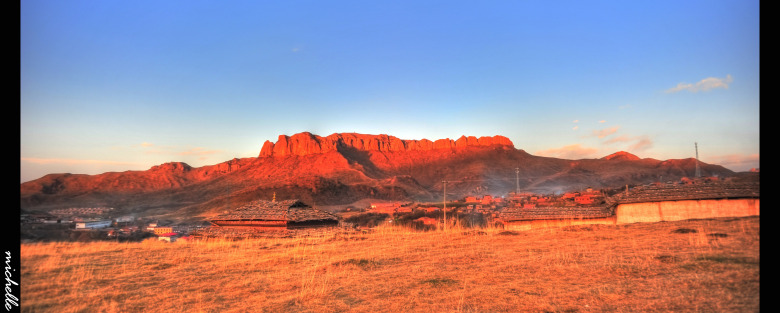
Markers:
(118, 85)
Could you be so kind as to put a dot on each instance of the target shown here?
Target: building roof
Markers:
(697, 191)
(287, 210)
(549, 213)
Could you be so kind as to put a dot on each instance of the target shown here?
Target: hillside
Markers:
(344, 168)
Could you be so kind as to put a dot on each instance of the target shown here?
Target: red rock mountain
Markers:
(621, 156)
(307, 143)
(345, 167)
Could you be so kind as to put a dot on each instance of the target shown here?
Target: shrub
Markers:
(367, 219)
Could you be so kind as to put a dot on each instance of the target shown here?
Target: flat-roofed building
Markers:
(94, 224)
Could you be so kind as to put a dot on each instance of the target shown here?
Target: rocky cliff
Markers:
(344, 168)
(306, 143)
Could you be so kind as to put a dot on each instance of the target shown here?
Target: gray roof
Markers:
(695, 191)
(287, 210)
(549, 213)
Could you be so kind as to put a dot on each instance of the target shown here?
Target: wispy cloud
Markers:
(605, 132)
(635, 143)
(642, 143)
(58, 161)
(735, 162)
(572, 152)
(198, 151)
(703, 85)
(149, 148)
(619, 139)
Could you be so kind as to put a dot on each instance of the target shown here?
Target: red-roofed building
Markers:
(584, 199)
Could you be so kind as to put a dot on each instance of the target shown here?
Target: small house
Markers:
(169, 237)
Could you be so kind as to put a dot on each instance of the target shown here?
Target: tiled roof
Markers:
(546, 213)
(287, 210)
(696, 191)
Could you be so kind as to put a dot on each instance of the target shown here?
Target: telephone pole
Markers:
(517, 177)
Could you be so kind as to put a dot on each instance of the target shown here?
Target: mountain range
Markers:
(343, 168)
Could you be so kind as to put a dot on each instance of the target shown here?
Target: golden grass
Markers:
(711, 267)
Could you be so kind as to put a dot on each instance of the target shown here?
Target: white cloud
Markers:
(606, 132)
(638, 143)
(703, 85)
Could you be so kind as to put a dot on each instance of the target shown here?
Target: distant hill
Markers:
(621, 156)
(346, 167)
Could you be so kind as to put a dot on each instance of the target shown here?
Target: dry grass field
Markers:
(687, 266)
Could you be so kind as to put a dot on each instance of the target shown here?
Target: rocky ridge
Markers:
(344, 168)
(306, 143)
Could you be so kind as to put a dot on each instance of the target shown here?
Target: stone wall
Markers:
(685, 209)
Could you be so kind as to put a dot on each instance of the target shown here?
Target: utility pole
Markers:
(445, 204)
(517, 177)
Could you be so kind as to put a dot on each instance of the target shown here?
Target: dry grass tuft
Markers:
(634, 267)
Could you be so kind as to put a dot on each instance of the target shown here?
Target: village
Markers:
(292, 217)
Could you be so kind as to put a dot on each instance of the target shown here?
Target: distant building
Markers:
(125, 219)
(403, 210)
(163, 230)
(584, 199)
(169, 237)
(429, 209)
(385, 207)
(93, 224)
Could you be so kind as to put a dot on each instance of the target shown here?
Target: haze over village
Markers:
(403, 157)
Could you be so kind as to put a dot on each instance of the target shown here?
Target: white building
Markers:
(95, 224)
